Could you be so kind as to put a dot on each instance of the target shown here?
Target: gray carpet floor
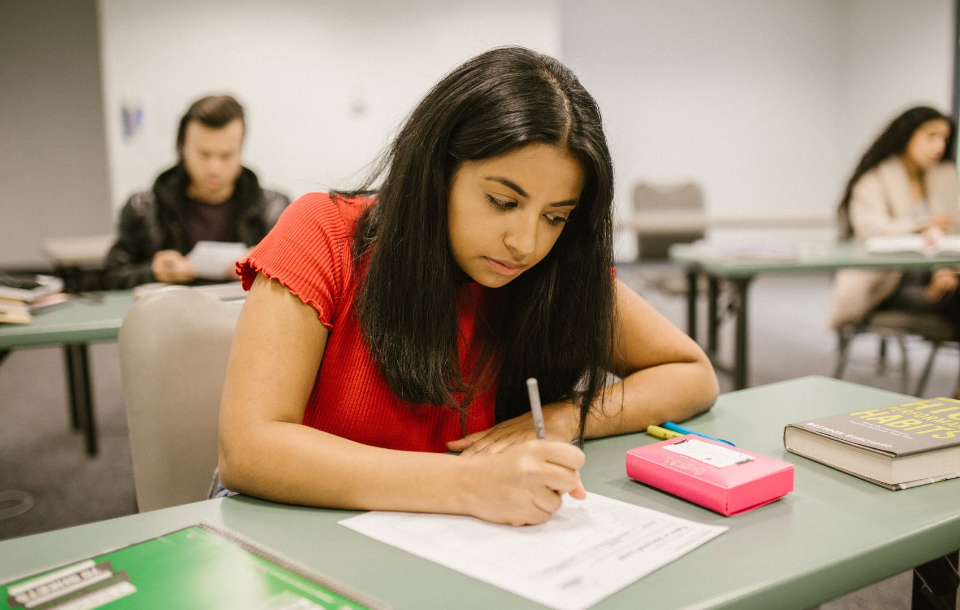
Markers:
(40, 454)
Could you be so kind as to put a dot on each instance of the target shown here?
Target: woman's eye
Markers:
(555, 219)
(499, 204)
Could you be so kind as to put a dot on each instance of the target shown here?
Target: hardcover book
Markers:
(724, 479)
(204, 566)
(897, 447)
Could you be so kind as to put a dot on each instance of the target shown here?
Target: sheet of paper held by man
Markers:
(212, 259)
(587, 551)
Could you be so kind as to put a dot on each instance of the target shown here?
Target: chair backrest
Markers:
(174, 347)
(667, 214)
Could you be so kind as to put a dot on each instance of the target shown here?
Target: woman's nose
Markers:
(521, 237)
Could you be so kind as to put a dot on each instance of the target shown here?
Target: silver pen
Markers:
(533, 391)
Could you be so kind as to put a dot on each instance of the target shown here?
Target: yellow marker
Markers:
(663, 433)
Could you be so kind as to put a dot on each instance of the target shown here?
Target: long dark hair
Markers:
(893, 141)
(554, 322)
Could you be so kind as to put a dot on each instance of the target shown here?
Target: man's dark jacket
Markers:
(156, 220)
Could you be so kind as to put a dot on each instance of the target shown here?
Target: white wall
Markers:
(766, 103)
(324, 83)
(53, 157)
(896, 55)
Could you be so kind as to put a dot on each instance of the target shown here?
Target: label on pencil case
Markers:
(714, 455)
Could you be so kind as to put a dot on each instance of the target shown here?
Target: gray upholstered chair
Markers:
(898, 326)
(667, 214)
(174, 346)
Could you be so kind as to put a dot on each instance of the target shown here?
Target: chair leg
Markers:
(843, 343)
(904, 366)
(882, 356)
(927, 367)
(956, 390)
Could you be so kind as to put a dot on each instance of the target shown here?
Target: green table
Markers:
(738, 272)
(86, 318)
(833, 534)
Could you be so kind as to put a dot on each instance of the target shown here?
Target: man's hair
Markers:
(213, 111)
(554, 322)
(893, 141)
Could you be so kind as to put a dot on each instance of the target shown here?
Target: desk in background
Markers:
(84, 319)
(739, 272)
(833, 534)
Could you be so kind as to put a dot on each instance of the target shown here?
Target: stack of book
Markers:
(23, 295)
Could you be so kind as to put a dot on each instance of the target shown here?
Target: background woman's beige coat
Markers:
(881, 204)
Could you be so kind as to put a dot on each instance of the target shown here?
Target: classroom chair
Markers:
(899, 326)
(667, 214)
(174, 346)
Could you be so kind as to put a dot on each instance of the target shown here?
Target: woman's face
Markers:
(505, 213)
(928, 143)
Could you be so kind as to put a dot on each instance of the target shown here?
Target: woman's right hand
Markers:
(524, 484)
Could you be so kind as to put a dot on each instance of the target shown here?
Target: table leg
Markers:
(692, 302)
(740, 360)
(75, 398)
(78, 371)
(935, 584)
(713, 316)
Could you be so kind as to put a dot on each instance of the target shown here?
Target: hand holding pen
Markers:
(517, 479)
(536, 410)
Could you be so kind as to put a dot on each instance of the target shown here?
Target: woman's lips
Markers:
(504, 268)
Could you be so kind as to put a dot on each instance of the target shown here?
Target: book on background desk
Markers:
(948, 244)
(20, 312)
(28, 288)
(897, 447)
(712, 474)
(204, 566)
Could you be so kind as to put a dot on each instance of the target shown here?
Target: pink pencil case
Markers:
(714, 475)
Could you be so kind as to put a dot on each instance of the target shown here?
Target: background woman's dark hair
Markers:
(213, 111)
(554, 322)
(893, 141)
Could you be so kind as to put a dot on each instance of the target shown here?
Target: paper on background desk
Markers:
(587, 551)
(212, 259)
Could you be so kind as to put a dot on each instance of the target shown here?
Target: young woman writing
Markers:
(389, 327)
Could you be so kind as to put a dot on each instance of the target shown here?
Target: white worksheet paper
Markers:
(587, 551)
(212, 259)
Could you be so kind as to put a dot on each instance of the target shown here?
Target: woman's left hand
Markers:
(560, 420)
(943, 283)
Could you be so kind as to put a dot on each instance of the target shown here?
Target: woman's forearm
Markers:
(668, 392)
(297, 464)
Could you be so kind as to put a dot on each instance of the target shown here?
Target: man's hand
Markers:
(171, 267)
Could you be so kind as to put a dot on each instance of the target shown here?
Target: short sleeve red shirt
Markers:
(309, 252)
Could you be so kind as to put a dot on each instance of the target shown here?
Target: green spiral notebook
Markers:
(203, 566)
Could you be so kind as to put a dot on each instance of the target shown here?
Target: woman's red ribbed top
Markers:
(308, 251)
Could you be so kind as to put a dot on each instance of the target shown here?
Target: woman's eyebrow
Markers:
(516, 187)
(508, 183)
